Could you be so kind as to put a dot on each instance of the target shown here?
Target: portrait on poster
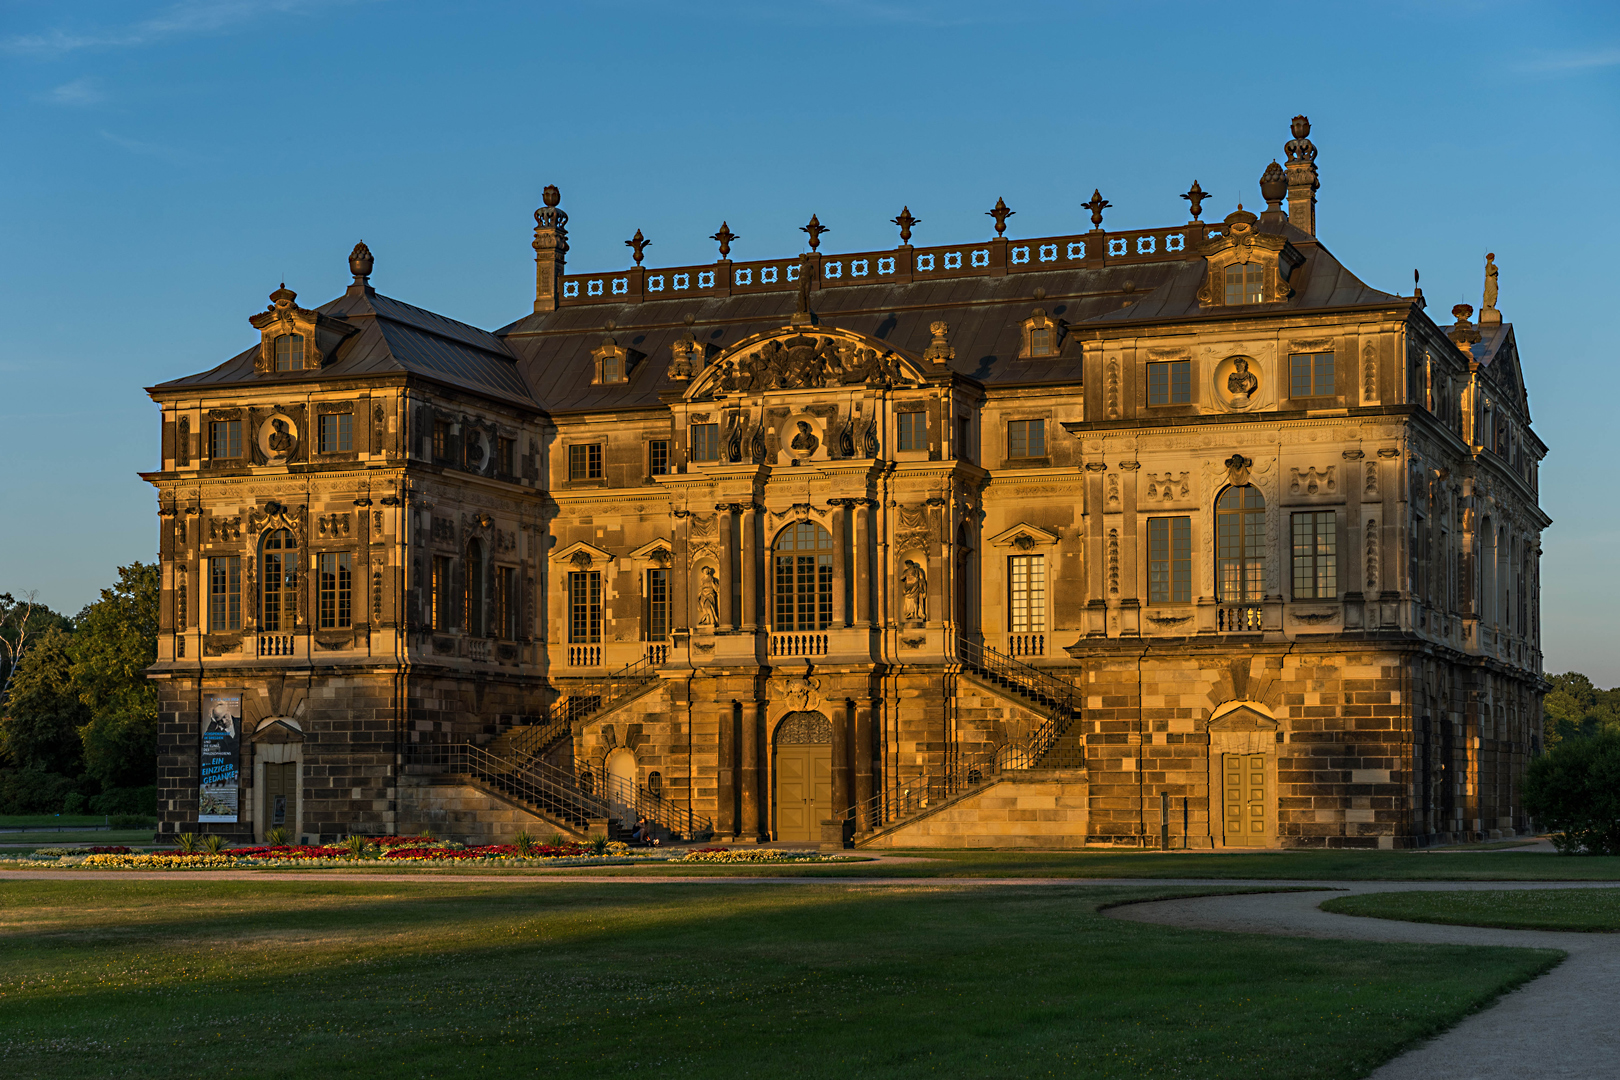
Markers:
(220, 775)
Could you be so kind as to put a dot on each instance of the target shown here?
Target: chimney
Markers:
(550, 249)
(1302, 181)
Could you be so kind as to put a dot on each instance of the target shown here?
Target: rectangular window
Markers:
(1170, 383)
(503, 457)
(585, 606)
(441, 440)
(1316, 556)
(336, 590)
(225, 438)
(912, 430)
(964, 438)
(1040, 341)
(1245, 284)
(657, 605)
(585, 461)
(337, 433)
(1026, 576)
(442, 594)
(658, 457)
(1170, 560)
(705, 442)
(1026, 438)
(225, 593)
(506, 601)
(1310, 375)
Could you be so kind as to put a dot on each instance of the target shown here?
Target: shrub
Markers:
(355, 846)
(276, 837)
(556, 839)
(599, 845)
(75, 803)
(213, 843)
(523, 842)
(141, 801)
(32, 791)
(1574, 790)
(131, 821)
(187, 843)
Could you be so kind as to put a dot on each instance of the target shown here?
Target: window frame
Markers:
(802, 578)
(911, 430)
(585, 607)
(224, 593)
(584, 461)
(1026, 594)
(1171, 370)
(441, 613)
(507, 604)
(505, 456)
(232, 432)
(1170, 559)
(1251, 285)
(1023, 425)
(704, 449)
(658, 457)
(342, 434)
(655, 588)
(1250, 538)
(1314, 573)
(1314, 377)
(334, 601)
(278, 606)
(283, 359)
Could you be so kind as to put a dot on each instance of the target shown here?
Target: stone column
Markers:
(681, 617)
(725, 793)
(842, 724)
(725, 530)
(840, 612)
(861, 724)
(863, 562)
(750, 568)
(753, 718)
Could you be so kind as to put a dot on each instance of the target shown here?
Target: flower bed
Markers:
(754, 855)
(374, 850)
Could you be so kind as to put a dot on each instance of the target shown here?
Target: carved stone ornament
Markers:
(1237, 384)
(1239, 242)
(1312, 482)
(1237, 469)
(313, 335)
(802, 361)
(803, 728)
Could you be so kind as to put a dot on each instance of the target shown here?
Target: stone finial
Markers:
(550, 249)
(1417, 290)
(1464, 333)
(815, 228)
(724, 237)
(939, 350)
(283, 297)
(1097, 205)
(1196, 196)
(1489, 316)
(1273, 186)
(1302, 179)
(905, 221)
(1001, 213)
(639, 244)
(681, 352)
(360, 263)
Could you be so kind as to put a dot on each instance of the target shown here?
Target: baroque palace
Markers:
(1175, 536)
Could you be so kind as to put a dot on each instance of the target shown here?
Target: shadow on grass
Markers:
(718, 980)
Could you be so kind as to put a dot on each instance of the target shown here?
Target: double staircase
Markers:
(1056, 743)
(583, 798)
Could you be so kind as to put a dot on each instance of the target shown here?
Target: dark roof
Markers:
(985, 316)
(393, 337)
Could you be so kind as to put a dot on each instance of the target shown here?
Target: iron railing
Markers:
(555, 796)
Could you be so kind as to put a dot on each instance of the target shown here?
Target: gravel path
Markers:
(1563, 1026)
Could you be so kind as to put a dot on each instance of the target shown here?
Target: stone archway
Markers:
(278, 760)
(1243, 775)
(801, 771)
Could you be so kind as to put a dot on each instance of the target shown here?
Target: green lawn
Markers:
(27, 840)
(1271, 866)
(280, 978)
(1526, 909)
(49, 821)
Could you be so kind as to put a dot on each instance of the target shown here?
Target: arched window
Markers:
(290, 352)
(1240, 544)
(278, 575)
(475, 588)
(804, 577)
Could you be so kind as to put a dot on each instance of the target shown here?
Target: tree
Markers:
(21, 621)
(40, 730)
(1577, 709)
(114, 642)
(1574, 790)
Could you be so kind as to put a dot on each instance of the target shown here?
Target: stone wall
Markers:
(1044, 808)
(470, 814)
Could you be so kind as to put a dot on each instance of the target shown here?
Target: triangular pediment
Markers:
(1023, 535)
(656, 551)
(278, 729)
(580, 553)
(1243, 718)
(808, 357)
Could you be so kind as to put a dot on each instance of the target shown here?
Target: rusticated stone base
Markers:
(453, 810)
(1043, 808)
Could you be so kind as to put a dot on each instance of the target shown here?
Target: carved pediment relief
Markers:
(658, 552)
(295, 339)
(1247, 716)
(793, 359)
(582, 556)
(278, 729)
(1024, 537)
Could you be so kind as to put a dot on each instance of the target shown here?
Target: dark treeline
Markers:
(78, 718)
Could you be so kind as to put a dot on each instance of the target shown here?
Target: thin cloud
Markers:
(78, 92)
(1556, 63)
(186, 19)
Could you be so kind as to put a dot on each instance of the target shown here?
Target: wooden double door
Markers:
(1243, 784)
(281, 796)
(803, 790)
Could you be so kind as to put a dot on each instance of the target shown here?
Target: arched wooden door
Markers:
(801, 765)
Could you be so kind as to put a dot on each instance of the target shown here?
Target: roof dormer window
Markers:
(1245, 284)
(1041, 335)
(290, 352)
(612, 363)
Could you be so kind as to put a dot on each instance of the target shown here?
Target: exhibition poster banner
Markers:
(220, 776)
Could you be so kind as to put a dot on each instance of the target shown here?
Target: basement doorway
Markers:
(801, 764)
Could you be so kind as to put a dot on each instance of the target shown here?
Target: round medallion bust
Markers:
(1237, 383)
(278, 437)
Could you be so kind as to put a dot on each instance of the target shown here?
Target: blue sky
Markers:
(167, 165)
